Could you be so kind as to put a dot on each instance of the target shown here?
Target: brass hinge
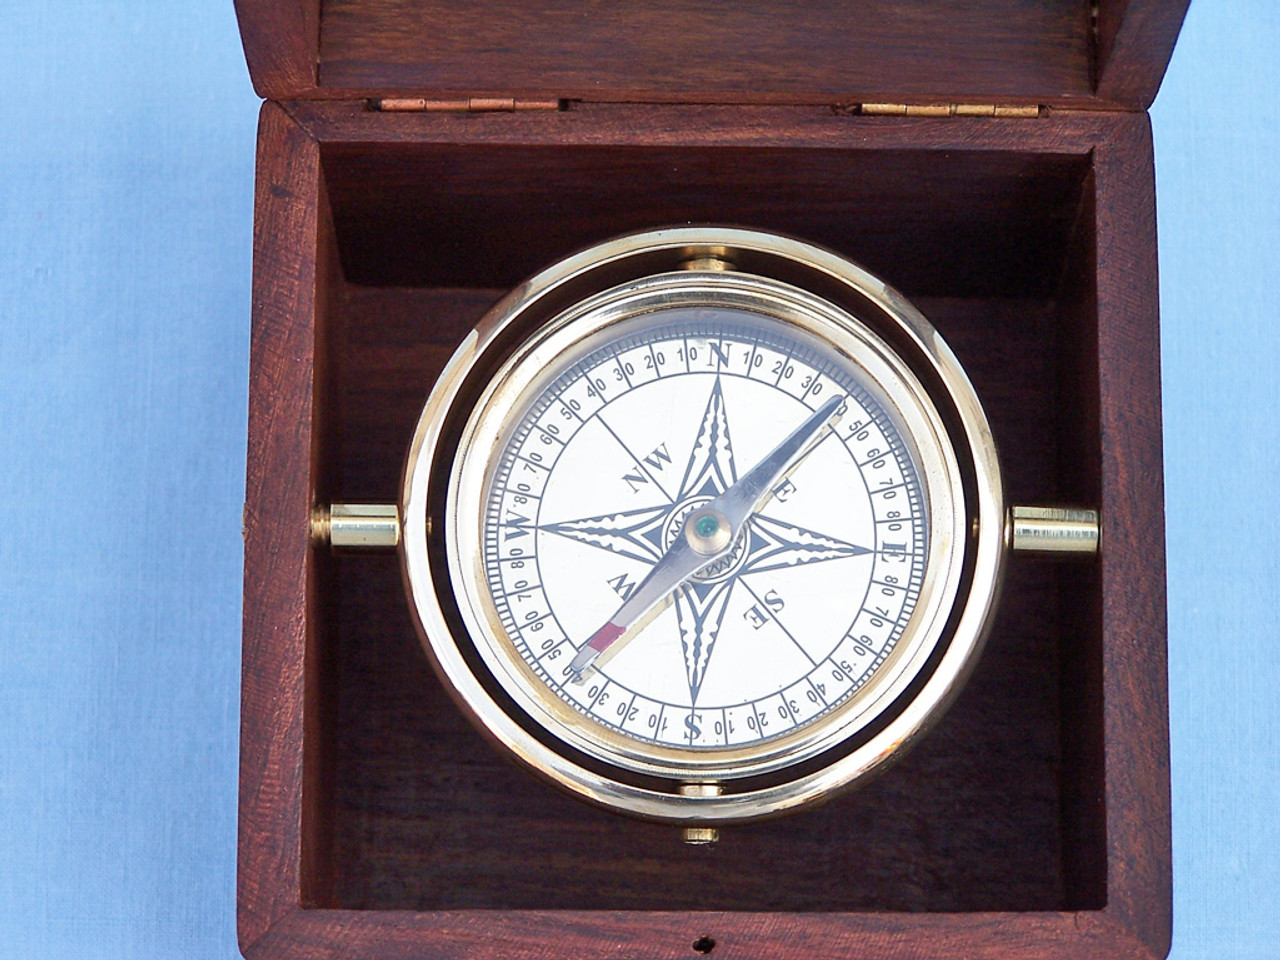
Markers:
(942, 110)
(512, 105)
(461, 105)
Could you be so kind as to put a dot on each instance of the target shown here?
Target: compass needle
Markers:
(710, 531)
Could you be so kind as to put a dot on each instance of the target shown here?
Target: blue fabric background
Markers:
(126, 176)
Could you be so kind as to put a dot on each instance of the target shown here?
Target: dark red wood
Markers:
(1033, 822)
(279, 593)
(798, 51)
(625, 935)
(1080, 615)
(1135, 42)
(1135, 668)
(509, 209)
(281, 44)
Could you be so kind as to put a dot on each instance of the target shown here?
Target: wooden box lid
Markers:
(1057, 53)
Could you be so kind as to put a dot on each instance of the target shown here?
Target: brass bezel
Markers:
(611, 314)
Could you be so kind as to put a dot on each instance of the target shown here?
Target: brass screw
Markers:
(700, 836)
(715, 259)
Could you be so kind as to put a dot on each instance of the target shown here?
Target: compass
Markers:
(704, 525)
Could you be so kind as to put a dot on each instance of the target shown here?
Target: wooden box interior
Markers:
(999, 808)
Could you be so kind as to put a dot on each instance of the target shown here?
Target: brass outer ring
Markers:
(641, 255)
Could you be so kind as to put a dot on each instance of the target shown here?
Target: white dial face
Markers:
(605, 458)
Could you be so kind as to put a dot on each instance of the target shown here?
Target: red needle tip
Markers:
(603, 637)
(599, 642)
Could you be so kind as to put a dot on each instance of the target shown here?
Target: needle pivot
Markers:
(708, 532)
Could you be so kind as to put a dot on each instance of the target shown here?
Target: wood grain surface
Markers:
(278, 584)
(490, 215)
(1033, 821)
(281, 39)
(1134, 43)
(758, 51)
(799, 51)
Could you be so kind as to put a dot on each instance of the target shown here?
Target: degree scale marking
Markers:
(741, 349)
(753, 351)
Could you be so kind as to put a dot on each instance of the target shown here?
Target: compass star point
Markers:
(699, 614)
(776, 544)
(630, 533)
(711, 469)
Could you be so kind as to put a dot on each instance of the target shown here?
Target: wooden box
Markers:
(1034, 820)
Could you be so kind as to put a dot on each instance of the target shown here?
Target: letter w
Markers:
(622, 586)
(658, 457)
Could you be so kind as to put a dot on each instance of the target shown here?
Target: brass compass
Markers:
(703, 525)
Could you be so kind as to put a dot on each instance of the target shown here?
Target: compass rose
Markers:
(763, 542)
